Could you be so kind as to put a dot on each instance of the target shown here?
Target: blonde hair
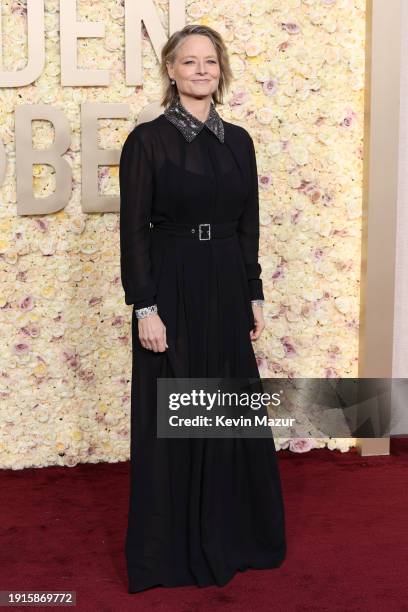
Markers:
(169, 52)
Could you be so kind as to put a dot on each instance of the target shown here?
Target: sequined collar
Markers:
(189, 125)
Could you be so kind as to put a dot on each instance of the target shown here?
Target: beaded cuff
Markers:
(146, 311)
(258, 302)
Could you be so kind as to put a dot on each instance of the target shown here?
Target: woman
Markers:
(199, 509)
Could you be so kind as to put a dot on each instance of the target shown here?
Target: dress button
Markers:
(193, 230)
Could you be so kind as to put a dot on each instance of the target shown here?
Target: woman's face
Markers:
(196, 68)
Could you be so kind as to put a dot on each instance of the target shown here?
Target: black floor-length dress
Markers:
(200, 509)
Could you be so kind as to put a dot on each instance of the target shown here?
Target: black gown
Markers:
(200, 509)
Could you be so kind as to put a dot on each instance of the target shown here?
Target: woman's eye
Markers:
(190, 61)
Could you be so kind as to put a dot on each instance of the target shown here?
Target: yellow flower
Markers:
(4, 245)
(40, 369)
(48, 291)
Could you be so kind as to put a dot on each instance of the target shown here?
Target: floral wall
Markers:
(65, 359)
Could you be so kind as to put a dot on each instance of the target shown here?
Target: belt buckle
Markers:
(200, 230)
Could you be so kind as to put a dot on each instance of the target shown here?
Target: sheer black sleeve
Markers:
(136, 192)
(248, 230)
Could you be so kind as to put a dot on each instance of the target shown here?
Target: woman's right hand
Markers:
(152, 333)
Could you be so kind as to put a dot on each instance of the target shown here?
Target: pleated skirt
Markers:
(200, 509)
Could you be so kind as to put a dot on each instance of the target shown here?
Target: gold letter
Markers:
(92, 156)
(35, 45)
(70, 31)
(26, 156)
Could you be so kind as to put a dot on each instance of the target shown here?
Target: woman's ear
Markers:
(169, 69)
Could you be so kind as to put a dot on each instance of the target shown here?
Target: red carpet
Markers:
(347, 526)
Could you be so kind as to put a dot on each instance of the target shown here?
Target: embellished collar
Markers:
(189, 125)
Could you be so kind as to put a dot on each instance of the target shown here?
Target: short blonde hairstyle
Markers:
(169, 52)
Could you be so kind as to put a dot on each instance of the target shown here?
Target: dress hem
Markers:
(174, 584)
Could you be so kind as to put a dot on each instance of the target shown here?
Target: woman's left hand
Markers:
(259, 322)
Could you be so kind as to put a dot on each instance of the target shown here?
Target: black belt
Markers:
(200, 231)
